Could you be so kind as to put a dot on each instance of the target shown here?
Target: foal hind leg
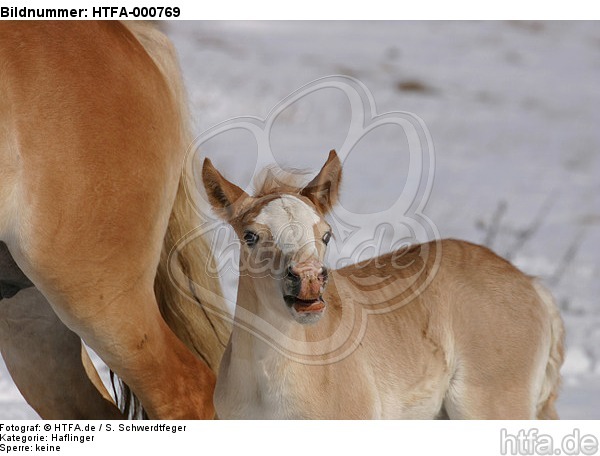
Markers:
(492, 384)
(44, 359)
(468, 400)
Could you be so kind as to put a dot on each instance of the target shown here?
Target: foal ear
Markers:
(323, 190)
(222, 194)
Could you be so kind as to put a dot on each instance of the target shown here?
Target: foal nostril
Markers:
(324, 274)
(291, 274)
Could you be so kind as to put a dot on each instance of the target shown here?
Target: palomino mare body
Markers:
(481, 340)
(93, 131)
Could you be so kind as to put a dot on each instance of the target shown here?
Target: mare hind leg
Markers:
(113, 308)
(119, 318)
(44, 359)
(43, 356)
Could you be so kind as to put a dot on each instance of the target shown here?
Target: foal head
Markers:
(284, 236)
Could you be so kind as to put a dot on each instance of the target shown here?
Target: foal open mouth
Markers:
(303, 306)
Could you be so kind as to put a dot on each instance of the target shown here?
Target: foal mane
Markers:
(273, 180)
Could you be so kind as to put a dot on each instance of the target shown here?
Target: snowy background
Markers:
(512, 108)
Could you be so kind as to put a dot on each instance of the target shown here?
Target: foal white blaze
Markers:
(482, 340)
(294, 226)
(291, 222)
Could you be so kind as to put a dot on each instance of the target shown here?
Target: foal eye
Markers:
(250, 238)
(327, 237)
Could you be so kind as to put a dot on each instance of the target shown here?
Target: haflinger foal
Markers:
(481, 340)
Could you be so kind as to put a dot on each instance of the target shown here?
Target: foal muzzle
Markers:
(304, 284)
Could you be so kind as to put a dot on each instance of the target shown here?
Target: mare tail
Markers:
(190, 299)
(200, 329)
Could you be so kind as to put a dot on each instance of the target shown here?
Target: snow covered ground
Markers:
(512, 110)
